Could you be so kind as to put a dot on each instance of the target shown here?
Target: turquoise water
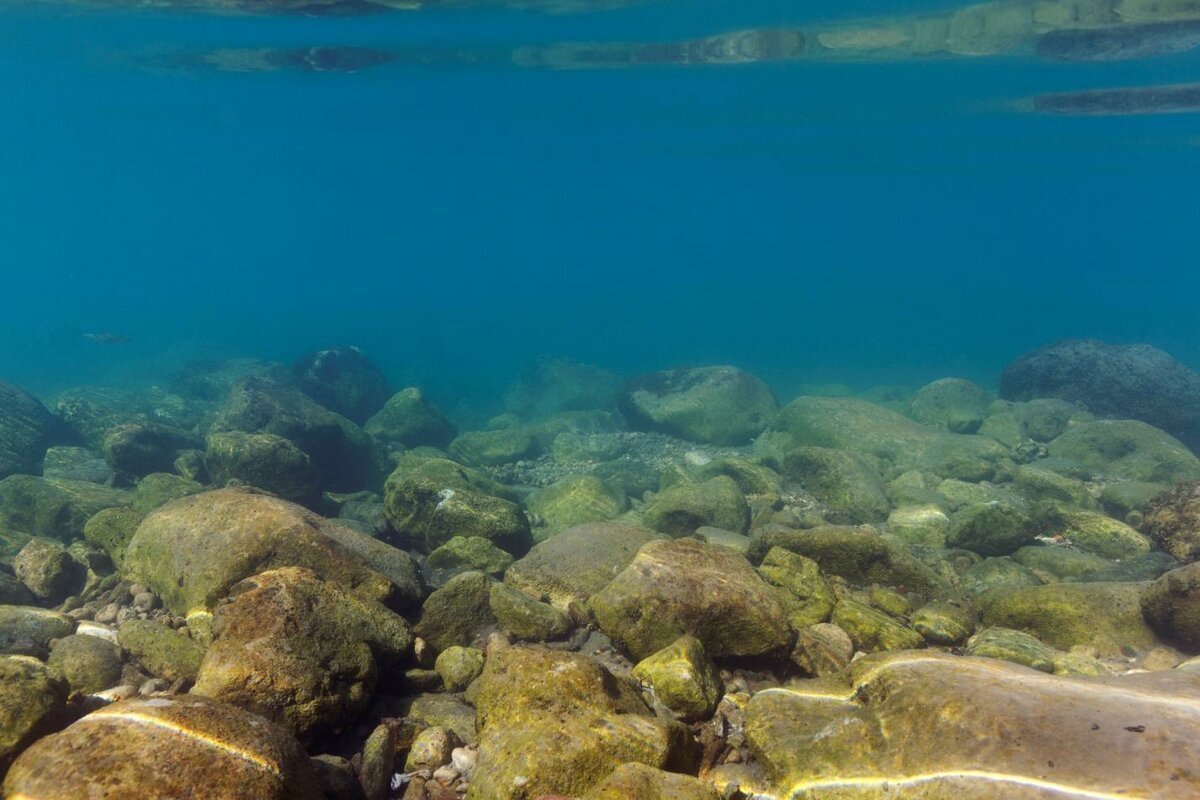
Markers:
(455, 214)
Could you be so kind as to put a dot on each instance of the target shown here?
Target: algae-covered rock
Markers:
(161, 651)
(1039, 485)
(1106, 616)
(436, 500)
(997, 573)
(574, 500)
(1123, 498)
(524, 617)
(1057, 562)
(952, 404)
(1172, 606)
(1128, 450)
(1095, 533)
(111, 530)
(683, 586)
(54, 508)
(713, 405)
(680, 509)
(298, 650)
(925, 525)
(802, 578)
(683, 678)
(343, 380)
(192, 551)
(28, 630)
(32, 697)
(822, 649)
(572, 566)
(26, 430)
(1172, 521)
(265, 461)
(470, 553)
(990, 529)
(552, 385)
(160, 488)
(640, 782)
(828, 743)
(89, 663)
(442, 710)
(871, 630)
(409, 419)
(846, 483)
(76, 464)
(943, 623)
(458, 666)
(47, 570)
(13, 592)
(160, 748)
(137, 449)
(495, 447)
(1005, 644)
(456, 613)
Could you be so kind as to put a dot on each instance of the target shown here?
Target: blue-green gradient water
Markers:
(860, 222)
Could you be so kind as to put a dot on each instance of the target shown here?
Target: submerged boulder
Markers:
(26, 431)
(574, 500)
(343, 380)
(1128, 450)
(137, 449)
(846, 483)
(1104, 616)
(54, 508)
(32, 697)
(680, 509)
(551, 385)
(29, 630)
(713, 405)
(265, 461)
(1172, 521)
(409, 419)
(48, 570)
(952, 404)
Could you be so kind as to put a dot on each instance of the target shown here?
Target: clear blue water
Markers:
(812, 222)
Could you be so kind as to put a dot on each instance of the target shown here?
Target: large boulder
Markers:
(48, 570)
(574, 500)
(1122, 381)
(160, 650)
(457, 613)
(54, 508)
(164, 748)
(298, 650)
(1172, 606)
(29, 630)
(683, 678)
(32, 698)
(89, 664)
(714, 405)
(90, 412)
(846, 483)
(952, 404)
(343, 380)
(26, 430)
(192, 551)
(1172, 521)
(684, 507)
(137, 449)
(640, 782)
(409, 419)
(1103, 616)
(683, 586)
(346, 458)
(990, 529)
(932, 725)
(1127, 450)
(552, 385)
(263, 460)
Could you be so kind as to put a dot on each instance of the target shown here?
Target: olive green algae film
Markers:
(675, 584)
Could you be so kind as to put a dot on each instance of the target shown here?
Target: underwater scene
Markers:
(599, 400)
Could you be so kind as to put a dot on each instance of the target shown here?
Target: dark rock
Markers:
(345, 381)
(26, 430)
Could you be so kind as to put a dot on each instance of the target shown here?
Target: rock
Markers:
(680, 509)
(13, 592)
(640, 782)
(47, 570)
(1129, 497)
(525, 618)
(161, 748)
(89, 664)
(437, 500)
(431, 749)
(1127, 450)
(1124, 381)
(1172, 606)
(572, 501)
(683, 678)
(443, 710)
(409, 419)
(378, 762)
(943, 623)
(161, 651)
(298, 650)
(211, 381)
(493, 448)
(137, 449)
(265, 461)
(822, 649)
(872, 631)
(470, 553)
(801, 577)
(111, 530)
(1106, 738)
(337, 778)
(1106, 616)
(572, 566)
(56, 509)
(997, 573)
(952, 404)
(192, 551)
(1057, 563)
(345, 457)
(552, 385)
(1015, 647)
(159, 488)
(711, 405)
(924, 525)
(844, 482)
(531, 696)
(456, 613)
(26, 430)
(458, 666)
(990, 529)
(343, 380)
(683, 586)
(1045, 486)
(27, 630)
(76, 464)
(1172, 521)
(32, 699)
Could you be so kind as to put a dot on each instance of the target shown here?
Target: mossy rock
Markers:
(1106, 616)
(28, 630)
(1062, 563)
(572, 501)
(26, 430)
(1096, 533)
(89, 664)
(680, 509)
(76, 464)
(997, 573)
(470, 553)
(159, 488)
(409, 419)
(524, 617)
(990, 529)
(1127, 497)
(1006, 644)
(263, 460)
(640, 782)
(32, 699)
(924, 525)
(138, 449)
(442, 710)
(683, 678)
(1172, 606)
(872, 630)
(456, 613)
(13, 592)
(713, 405)
(111, 530)
(57, 509)
(1172, 521)
(1128, 450)
(550, 385)
(161, 651)
(343, 380)
(1043, 485)
(493, 448)
(458, 666)
(801, 577)
(48, 570)
(943, 624)
(952, 404)
(846, 483)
